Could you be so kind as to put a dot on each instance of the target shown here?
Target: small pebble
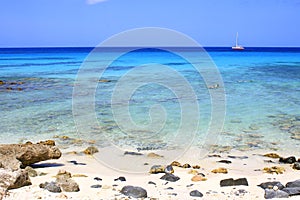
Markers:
(296, 166)
(169, 169)
(186, 165)
(98, 179)
(96, 186)
(121, 178)
(151, 183)
(196, 193)
(224, 161)
(169, 188)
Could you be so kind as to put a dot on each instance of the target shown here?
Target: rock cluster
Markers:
(186, 165)
(14, 157)
(64, 182)
(274, 169)
(155, 169)
(282, 160)
(289, 124)
(276, 189)
(11, 85)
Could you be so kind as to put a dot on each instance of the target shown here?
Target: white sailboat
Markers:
(237, 46)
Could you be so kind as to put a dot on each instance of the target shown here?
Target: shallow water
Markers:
(261, 87)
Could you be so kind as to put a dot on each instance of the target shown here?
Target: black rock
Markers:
(224, 161)
(72, 161)
(132, 153)
(51, 187)
(296, 166)
(201, 174)
(75, 162)
(288, 160)
(98, 179)
(132, 191)
(170, 177)
(292, 191)
(96, 186)
(169, 188)
(232, 182)
(196, 193)
(121, 178)
(295, 183)
(214, 155)
(151, 182)
(238, 157)
(270, 185)
(270, 194)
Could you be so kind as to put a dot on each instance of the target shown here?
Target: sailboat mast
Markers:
(237, 46)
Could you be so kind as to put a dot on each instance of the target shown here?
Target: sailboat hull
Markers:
(238, 48)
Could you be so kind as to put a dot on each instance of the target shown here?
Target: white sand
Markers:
(239, 168)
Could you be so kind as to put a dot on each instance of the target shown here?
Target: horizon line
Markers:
(32, 47)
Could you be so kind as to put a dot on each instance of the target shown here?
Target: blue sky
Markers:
(32, 23)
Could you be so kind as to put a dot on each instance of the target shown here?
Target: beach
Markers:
(97, 181)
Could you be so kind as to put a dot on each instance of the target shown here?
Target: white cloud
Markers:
(94, 1)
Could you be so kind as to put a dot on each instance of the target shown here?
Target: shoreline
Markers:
(249, 165)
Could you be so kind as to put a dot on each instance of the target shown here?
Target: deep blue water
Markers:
(262, 89)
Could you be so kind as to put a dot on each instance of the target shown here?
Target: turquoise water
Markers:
(262, 88)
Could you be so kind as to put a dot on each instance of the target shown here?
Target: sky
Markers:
(71, 23)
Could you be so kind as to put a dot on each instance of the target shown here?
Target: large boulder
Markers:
(15, 156)
(12, 179)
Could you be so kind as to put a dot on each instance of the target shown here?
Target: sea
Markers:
(146, 97)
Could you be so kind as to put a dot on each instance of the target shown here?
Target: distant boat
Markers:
(237, 46)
